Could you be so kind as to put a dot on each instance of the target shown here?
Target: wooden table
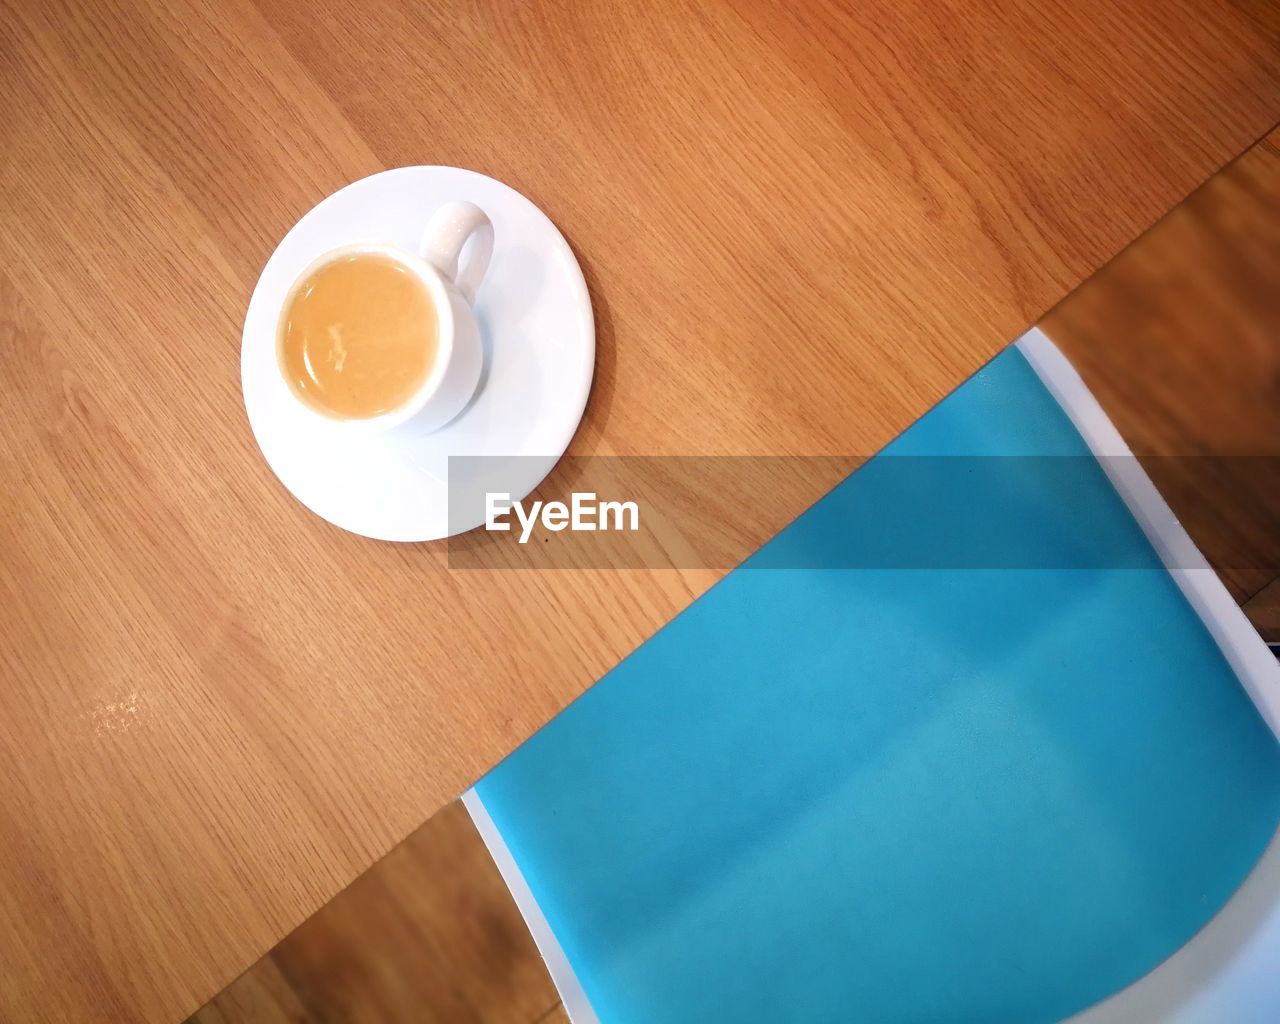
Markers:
(800, 227)
(1178, 336)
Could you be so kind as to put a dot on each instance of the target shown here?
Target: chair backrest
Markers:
(998, 785)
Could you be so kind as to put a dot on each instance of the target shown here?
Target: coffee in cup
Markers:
(358, 336)
(372, 337)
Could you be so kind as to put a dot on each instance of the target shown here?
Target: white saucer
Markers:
(539, 341)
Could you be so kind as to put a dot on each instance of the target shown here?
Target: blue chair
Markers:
(979, 737)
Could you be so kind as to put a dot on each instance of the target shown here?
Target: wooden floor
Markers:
(1179, 337)
(428, 934)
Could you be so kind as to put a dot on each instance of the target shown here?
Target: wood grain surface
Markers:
(1179, 339)
(801, 225)
(1179, 335)
(429, 935)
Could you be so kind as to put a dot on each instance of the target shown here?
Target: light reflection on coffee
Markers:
(359, 336)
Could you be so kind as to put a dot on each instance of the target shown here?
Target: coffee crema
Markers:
(359, 336)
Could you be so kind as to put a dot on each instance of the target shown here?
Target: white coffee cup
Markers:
(455, 373)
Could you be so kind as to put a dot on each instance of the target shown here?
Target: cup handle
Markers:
(447, 232)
